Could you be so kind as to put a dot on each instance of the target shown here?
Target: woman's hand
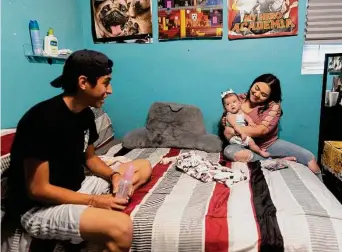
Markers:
(252, 124)
(240, 132)
(115, 182)
(243, 136)
(224, 121)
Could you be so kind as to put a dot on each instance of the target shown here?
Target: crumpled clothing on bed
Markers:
(275, 164)
(204, 170)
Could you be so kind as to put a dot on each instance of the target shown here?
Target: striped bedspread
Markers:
(285, 210)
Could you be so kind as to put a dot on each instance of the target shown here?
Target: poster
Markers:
(189, 19)
(121, 21)
(262, 18)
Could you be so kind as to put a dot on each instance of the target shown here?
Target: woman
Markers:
(262, 104)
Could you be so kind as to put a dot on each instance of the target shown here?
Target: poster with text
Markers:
(190, 19)
(262, 18)
(121, 21)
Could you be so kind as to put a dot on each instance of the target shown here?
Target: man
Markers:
(54, 139)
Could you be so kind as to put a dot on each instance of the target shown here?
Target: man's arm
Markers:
(96, 165)
(40, 189)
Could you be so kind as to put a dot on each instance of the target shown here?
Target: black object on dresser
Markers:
(330, 128)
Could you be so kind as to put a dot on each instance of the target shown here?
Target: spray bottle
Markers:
(37, 47)
(125, 183)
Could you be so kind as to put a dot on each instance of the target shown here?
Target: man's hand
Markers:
(108, 201)
(115, 183)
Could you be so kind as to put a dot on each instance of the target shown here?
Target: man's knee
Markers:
(106, 226)
(120, 231)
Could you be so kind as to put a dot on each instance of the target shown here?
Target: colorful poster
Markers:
(189, 19)
(121, 21)
(262, 18)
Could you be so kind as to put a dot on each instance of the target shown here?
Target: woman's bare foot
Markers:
(264, 153)
(290, 159)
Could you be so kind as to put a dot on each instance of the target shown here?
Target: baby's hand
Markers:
(252, 124)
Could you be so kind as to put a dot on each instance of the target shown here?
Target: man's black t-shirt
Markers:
(51, 132)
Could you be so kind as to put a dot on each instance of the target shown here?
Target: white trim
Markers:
(314, 55)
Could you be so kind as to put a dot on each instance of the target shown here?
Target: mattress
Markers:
(284, 210)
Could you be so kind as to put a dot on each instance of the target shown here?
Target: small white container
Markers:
(50, 44)
(333, 96)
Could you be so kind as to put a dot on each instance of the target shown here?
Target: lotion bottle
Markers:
(51, 44)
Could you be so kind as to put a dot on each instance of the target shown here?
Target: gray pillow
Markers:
(173, 125)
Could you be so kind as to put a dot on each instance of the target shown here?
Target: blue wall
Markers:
(195, 72)
(192, 72)
(22, 83)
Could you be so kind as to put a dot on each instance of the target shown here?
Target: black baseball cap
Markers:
(84, 62)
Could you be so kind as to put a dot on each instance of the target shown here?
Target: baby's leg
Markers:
(228, 132)
(254, 147)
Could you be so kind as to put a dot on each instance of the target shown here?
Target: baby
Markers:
(235, 119)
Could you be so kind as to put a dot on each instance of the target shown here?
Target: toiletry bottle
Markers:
(35, 38)
(51, 44)
(125, 183)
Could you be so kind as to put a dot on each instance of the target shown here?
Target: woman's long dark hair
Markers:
(275, 95)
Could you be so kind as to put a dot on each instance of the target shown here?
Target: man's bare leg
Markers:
(112, 228)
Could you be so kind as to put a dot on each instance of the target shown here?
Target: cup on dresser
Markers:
(333, 96)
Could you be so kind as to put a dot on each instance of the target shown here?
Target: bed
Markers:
(284, 210)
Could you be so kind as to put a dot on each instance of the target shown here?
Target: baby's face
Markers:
(232, 104)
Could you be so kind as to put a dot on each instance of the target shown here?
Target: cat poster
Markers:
(262, 18)
(121, 21)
